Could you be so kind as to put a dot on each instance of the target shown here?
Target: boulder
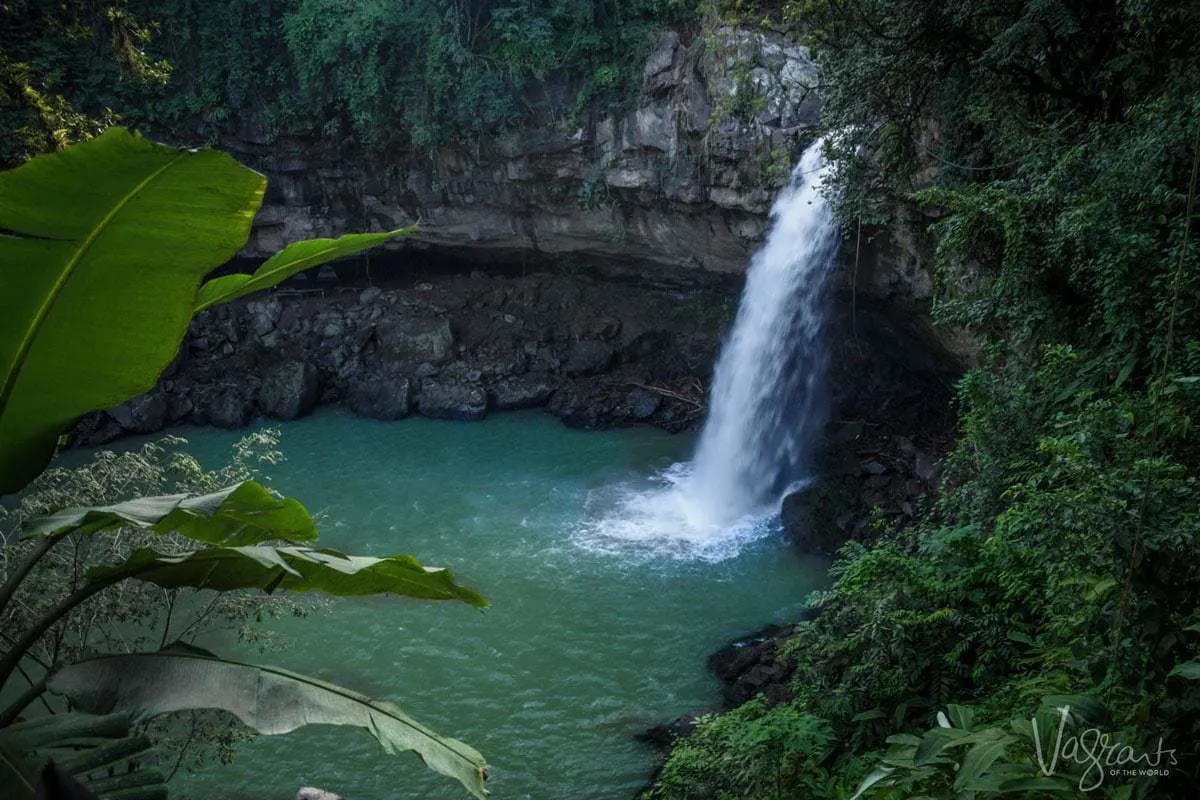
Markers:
(262, 315)
(144, 414)
(642, 403)
(380, 393)
(290, 390)
(525, 391)
(450, 399)
(751, 666)
(227, 408)
(664, 735)
(413, 340)
(588, 358)
(811, 517)
(96, 429)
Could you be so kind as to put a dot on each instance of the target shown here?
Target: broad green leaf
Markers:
(1082, 707)
(961, 717)
(292, 259)
(871, 780)
(1189, 670)
(80, 745)
(977, 761)
(244, 514)
(270, 700)
(904, 739)
(103, 248)
(985, 735)
(295, 569)
(1038, 783)
(867, 716)
(929, 749)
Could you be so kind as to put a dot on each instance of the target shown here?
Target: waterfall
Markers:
(767, 401)
(766, 407)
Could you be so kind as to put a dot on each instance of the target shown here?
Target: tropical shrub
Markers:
(139, 616)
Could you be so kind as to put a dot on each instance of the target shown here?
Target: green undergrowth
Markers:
(380, 74)
(1054, 147)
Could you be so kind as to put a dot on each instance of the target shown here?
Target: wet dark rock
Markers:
(664, 735)
(750, 666)
(642, 403)
(97, 429)
(925, 467)
(144, 414)
(290, 390)
(451, 400)
(588, 358)
(380, 393)
(416, 339)
(262, 315)
(525, 391)
(812, 517)
(228, 409)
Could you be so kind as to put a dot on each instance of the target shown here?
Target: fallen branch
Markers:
(668, 393)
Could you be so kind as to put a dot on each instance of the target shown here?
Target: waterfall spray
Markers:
(767, 403)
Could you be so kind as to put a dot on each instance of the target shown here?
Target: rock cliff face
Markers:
(683, 180)
(595, 353)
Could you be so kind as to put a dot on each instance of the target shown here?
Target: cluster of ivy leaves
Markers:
(1055, 144)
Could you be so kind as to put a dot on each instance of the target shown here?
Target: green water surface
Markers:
(582, 648)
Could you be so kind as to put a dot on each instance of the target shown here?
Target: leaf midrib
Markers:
(14, 768)
(255, 280)
(334, 689)
(10, 377)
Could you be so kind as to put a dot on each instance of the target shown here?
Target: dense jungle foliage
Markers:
(407, 73)
(1051, 149)
(1053, 145)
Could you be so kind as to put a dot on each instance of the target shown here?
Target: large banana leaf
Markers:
(83, 746)
(268, 699)
(102, 250)
(244, 514)
(296, 569)
(287, 262)
(104, 246)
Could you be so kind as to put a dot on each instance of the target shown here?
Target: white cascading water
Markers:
(767, 399)
(767, 403)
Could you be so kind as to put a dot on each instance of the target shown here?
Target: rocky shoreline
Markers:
(595, 353)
